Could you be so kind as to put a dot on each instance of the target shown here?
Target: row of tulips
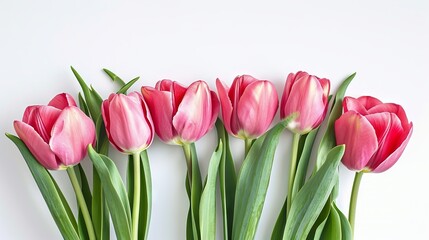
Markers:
(366, 134)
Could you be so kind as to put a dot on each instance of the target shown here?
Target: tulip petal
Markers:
(164, 85)
(392, 108)
(257, 108)
(62, 101)
(71, 134)
(369, 102)
(390, 135)
(42, 119)
(130, 129)
(395, 155)
(177, 93)
(38, 147)
(353, 104)
(356, 132)
(215, 109)
(225, 102)
(286, 92)
(160, 105)
(308, 104)
(193, 116)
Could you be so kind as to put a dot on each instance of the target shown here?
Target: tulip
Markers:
(57, 134)
(306, 96)
(181, 115)
(128, 122)
(248, 107)
(375, 133)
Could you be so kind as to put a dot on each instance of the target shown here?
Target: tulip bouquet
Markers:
(364, 133)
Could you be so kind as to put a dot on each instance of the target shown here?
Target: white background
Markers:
(385, 42)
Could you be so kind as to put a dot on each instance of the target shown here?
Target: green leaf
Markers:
(279, 226)
(332, 229)
(55, 200)
(114, 77)
(82, 105)
(208, 198)
(83, 183)
(127, 86)
(116, 195)
(227, 180)
(312, 197)
(91, 99)
(328, 141)
(319, 225)
(346, 229)
(145, 197)
(103, 143)
(253, 181)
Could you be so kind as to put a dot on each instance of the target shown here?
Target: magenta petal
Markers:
(369, 102)
(286, 92)
(62, 101)
(160, 105)
(42, 119)
(37, 146)
(71, 135)
(193, 116)
(392, 108)
(225, 102)
(395, 155)
(355, 131)
(257, 108)
(353, 104)
(215, 109)
(177, 93)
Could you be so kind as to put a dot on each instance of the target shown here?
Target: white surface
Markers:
(386, 42)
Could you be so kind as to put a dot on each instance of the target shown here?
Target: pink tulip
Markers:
(306, 96)
(128, 122)
(375, 133)
(248, 107)
(57, 134)
(181, 115)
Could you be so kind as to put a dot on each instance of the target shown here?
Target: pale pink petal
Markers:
(159, 103)
(355, 131)
(257, 108)
(234, 96)
(286, 92)
(62, 101)
(71, 135)
(42, 119)
(395, 155)
(392, 108)
(326, 85)
(37, 146)
(369, 102)
(353, 104)
(194, 114)
(215, 110)
(225, 102)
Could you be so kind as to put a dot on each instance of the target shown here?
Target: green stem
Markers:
(247, 145)
(292, 170)
(353, 199)
(188, 158)
(81, 202)
(136, 194)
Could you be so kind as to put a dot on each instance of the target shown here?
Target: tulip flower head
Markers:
(248, 107)
(375, 133)
(305, 96)
(181, 115)
(57, 134)
(128, 122)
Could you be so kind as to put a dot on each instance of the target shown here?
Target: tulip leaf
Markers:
(51, 193)
(114, 77)
(115, 193)
(312, 197)
(328, 141)
(145, 197)
(83, 183)
(346, 229)
(332, 227)
(253, 181)
(279, 226)
(319, 225)
(127, 86)
(82, 105)
(92, 100)
(208, 197)
(227, 180)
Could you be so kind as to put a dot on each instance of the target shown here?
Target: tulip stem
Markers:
(136, 196)
(188, 158)
(81, 202)
(247, 145)
(353, 199)
(292, 170)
